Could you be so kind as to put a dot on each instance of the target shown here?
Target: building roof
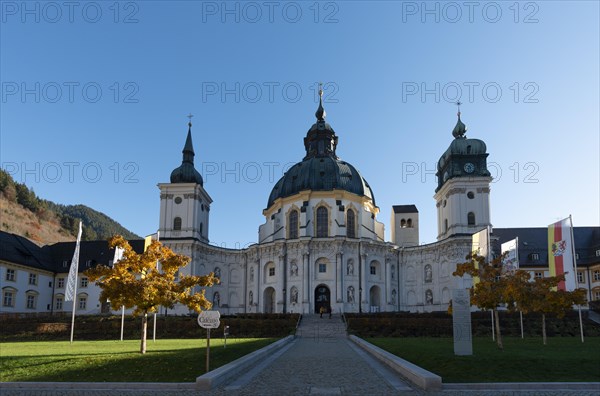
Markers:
(94, 252)
(405, 209)
(535, 240)
(20, 250)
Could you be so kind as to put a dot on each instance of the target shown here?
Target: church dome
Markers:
(186, 172)
(321, 169)
(321, 174)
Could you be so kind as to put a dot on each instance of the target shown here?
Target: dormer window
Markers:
(534, 256)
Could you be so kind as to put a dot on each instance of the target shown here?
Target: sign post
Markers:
(209, 320)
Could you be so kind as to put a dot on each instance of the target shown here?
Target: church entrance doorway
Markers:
(322, 298)
(269, 300)
(375, 298)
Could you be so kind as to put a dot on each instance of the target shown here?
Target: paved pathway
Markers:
(321, 361)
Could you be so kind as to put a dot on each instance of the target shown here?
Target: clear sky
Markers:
(95, 97)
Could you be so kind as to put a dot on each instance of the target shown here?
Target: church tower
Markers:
(463, 193)
(184, 204)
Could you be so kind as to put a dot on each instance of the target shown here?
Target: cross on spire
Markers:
(320, 114)
(190, 117)
(458, 103)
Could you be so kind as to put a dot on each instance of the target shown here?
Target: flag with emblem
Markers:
(560, 253)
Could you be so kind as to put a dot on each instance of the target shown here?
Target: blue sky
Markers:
(95, 97)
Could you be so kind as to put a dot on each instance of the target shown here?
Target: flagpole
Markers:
(493, 328)
(71, 292)
(154, 329)
(575, 274)
(122, 320)
(74, 302)
(517, 267)
(157, 263)
(521, 315)
(489, 259)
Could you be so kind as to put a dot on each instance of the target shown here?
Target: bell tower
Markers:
(463, 193)
(184, 204)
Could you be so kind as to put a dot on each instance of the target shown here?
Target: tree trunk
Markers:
(544, 328)
(498, 334)
(144, 331)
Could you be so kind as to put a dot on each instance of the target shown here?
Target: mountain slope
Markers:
(44, 222)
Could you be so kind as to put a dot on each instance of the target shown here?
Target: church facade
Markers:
(321, 244)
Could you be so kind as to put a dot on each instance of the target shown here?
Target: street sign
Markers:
(209, 319)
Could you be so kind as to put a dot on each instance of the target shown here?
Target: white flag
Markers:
(72, 280)
(118, 255)
(511, 261)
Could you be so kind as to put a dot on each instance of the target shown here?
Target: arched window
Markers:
(445, 225)
(471, 219)
(403, 223)
(177, 223)
(350, 224)
(322, 222)
(201, 227)
(293, 224)
(409, 223)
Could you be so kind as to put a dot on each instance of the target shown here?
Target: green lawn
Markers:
(523, 360)
(116, 361)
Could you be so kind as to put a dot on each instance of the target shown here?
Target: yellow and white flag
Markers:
(560, 253)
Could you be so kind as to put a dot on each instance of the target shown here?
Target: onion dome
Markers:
(464, 157)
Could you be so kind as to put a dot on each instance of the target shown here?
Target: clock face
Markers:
(469, 167)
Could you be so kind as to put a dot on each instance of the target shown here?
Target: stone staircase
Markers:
(315, 327)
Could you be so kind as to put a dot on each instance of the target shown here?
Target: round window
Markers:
(470, 195)
(177, 200)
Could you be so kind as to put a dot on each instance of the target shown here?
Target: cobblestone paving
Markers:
(319, 363)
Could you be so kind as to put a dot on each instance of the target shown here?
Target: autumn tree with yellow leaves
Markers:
(543, 296)
(145, 281)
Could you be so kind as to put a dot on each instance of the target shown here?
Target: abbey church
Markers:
(321, 245)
